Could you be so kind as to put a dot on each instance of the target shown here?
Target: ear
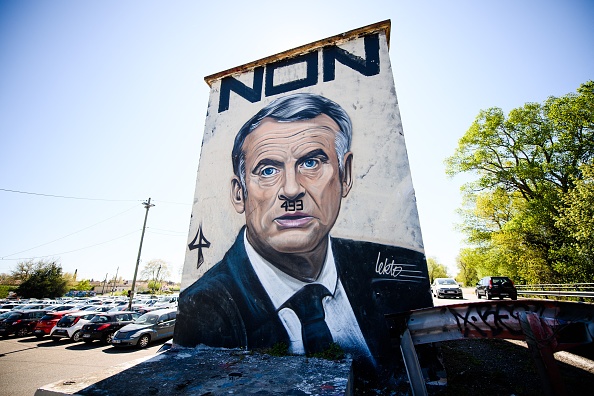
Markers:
(347, 176)
(237, 198)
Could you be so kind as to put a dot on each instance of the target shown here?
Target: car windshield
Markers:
(500, 280)
(49, 317)
(446, 282)
(146, 319)
(101, 319)
(66, 320)
(13, 316)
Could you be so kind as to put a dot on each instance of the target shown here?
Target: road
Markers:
(28, 363)
(467, 294)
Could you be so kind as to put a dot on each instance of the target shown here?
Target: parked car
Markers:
(30, 306)
(149, 327)
(47, 323)
(65, 307)
(20, 323)
(69, 326)
(9, 307)
(445, 287)
(496, 286)
(104, 325)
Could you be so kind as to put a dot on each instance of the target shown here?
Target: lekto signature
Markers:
(387, 268)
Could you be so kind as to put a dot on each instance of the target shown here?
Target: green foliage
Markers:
(436, 270)
(278, 349)
(333, 352)
(467, 262)
(45, 280)
(5, 289)
(576, 218)
(528, 213)
(83, 285)
(154, 286)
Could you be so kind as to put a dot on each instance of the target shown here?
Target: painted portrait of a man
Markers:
(286, 279)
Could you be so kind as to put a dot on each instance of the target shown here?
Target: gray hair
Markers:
(295, 107)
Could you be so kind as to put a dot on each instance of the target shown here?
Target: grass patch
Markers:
(5, 289)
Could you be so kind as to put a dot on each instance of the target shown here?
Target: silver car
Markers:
(149, 327)
(445, 288)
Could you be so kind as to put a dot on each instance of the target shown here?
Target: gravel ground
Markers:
(499, 367)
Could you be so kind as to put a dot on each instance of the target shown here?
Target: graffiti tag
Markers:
(489, 320)
(199, 242)
(291, 206)
(387, 268)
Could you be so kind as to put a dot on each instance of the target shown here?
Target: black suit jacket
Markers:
(228, 306)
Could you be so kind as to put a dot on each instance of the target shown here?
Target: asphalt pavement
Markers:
(28, 363)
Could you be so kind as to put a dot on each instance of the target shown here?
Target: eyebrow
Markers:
(317, 153)
(267, 162)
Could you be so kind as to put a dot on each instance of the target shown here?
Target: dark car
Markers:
(104, 325)
(496, 286)
(20, 323)
(149, 327)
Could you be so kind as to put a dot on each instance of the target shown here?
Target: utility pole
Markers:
(104, 282)
(147, 206)
(115, 279)
(157, 278)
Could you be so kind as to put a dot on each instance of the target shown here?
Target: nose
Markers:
(291, 188)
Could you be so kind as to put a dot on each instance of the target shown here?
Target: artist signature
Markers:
(387, 268)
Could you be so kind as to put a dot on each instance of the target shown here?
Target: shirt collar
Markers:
(280, 286)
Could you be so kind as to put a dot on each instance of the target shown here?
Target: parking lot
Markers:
(28, 363)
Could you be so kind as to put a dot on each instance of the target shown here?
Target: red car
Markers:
(47, 323)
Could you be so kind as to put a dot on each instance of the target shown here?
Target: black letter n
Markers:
(368, 66)
(229, 84)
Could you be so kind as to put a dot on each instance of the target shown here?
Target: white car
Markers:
(445, 288)
(69, 326)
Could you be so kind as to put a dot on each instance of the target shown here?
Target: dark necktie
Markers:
(307, 304)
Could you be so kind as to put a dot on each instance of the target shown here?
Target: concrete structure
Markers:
(207, 371)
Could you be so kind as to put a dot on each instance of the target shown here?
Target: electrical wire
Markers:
(75, 250)
(67, 197)
(66, 236)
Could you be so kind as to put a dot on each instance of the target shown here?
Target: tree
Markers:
(576, 218)
(23, 270)
(46, 280)
(526, 164)
(83, 285)
(436, 270)
(155, 272)
(467, 262)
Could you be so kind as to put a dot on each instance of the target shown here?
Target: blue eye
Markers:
(267, 172)
(310, 163)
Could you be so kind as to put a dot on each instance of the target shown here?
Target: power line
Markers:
(172, 203)
(65, 236)
(72, 251)
(67, 197)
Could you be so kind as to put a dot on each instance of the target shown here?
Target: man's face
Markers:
(293, 184)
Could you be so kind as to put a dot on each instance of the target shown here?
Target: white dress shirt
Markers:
(340, 317)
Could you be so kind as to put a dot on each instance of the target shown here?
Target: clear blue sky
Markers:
(105, 102)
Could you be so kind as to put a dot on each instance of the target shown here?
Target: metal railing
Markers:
(581, 290)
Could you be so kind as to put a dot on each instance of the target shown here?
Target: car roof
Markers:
(162, 311)
(112, 313)
(29, 310)
(81, 313)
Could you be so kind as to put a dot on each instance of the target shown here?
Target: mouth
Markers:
(293, 220)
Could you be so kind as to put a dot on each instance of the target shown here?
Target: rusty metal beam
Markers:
(547, 327)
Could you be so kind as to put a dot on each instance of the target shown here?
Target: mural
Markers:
(304, 229)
